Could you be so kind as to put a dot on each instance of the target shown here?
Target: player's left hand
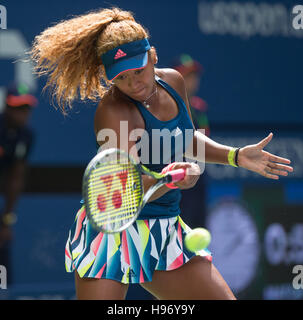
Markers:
(254, 158)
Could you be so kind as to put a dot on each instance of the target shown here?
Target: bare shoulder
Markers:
(174, 79)
(170, 75)
(114, 108)
(110, 111)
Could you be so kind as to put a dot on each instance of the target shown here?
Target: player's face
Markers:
(138, 84)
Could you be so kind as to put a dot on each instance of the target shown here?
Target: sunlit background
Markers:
(251, 53)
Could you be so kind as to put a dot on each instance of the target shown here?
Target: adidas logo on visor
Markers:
(120, 54)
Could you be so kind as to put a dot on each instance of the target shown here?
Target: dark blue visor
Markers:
(129, 56)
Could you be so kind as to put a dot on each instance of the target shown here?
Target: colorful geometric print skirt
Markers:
(131, 256)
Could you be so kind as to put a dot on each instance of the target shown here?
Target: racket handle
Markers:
(177, 175)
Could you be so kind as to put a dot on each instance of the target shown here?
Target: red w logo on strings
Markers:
(116, 196)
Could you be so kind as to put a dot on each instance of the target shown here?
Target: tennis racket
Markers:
(113, 189)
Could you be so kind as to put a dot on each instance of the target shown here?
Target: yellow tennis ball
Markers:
(197, 239)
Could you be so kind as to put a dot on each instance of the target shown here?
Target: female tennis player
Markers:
(106, 55)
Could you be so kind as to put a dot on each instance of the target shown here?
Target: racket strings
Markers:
(114, 193)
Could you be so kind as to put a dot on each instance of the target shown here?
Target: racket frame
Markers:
(162, 180)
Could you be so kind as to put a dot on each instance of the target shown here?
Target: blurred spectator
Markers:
(192, 71)
(193, 203)
(15, 142)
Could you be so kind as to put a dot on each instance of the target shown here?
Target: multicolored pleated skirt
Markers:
(131, 256)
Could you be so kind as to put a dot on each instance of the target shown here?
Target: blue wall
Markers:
(251, 80)
(255, 79)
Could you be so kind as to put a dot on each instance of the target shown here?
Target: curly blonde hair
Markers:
(70, 53)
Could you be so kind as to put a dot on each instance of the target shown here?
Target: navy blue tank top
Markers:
(164, 142)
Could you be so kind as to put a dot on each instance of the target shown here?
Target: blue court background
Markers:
(252, 85)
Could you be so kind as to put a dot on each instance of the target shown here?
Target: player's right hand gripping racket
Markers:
(113, 189)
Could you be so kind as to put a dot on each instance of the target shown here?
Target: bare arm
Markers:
(210, 151)
(251, 157)
(207, 150)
